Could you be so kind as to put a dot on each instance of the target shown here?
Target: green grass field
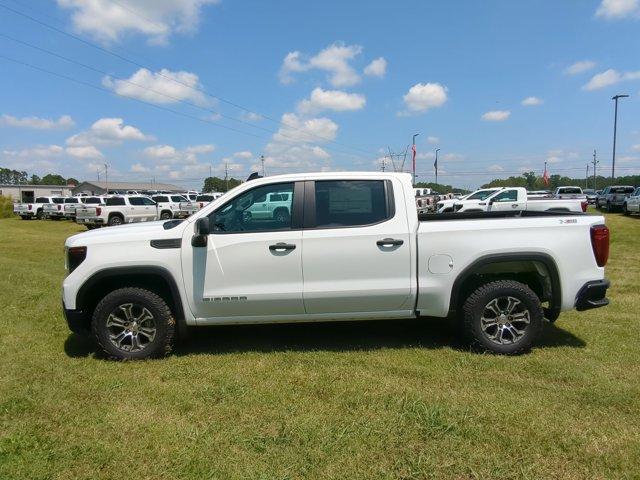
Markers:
(393, 399)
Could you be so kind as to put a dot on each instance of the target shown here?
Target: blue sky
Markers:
(172, 88)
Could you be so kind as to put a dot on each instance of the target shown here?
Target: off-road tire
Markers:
(625, 210)
(165, 323)
(166, 215)
(39, 215)
(474, 308)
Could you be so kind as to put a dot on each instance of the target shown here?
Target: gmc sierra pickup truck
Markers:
(510, 198)
(353, 248)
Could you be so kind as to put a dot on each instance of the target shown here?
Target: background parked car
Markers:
(569, 192)
(613, 197)
(591, 195)
(632, 203)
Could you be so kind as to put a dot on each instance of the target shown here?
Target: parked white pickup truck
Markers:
(117, 210)
(509, 198)
(70, 205)
(353, 248)
(170, 206)
(27, 211)
(54, 210)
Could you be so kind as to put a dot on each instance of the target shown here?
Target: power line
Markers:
(196, 88)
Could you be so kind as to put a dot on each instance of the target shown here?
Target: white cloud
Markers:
(334, 59)
(42, 151)
(245, 155)
(139, 168)
(109, 21)
(65, 121)
(376, 68)
(335, 100)
(531, 101)
(579, 67)
(496, 168)
(618, 9)
(107, 131)
(423, 96)
(161, 87)
(433, 140)
(252, 116)
(496, 115)
(636, 148)
(84, 152)
(294, 129)
(610, 77)
(168, 154)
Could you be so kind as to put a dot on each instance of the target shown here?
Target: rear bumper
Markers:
(90, 220)
(592, 295)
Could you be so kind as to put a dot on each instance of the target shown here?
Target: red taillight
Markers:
(600, 244)
(98, 211)
(201, 204)
(584, 205)
(29, 207)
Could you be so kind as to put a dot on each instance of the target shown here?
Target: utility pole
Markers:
(615, 127)
(384, 163)
(226, 177)
(98, 172)
(413, 152)
(106, 177)
(595, 162)
(435, 164)
(262, 162)
(210, 171)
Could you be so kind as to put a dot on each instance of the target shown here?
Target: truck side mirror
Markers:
(202, 233)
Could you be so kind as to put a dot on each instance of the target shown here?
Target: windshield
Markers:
(570, 190)
(481, 194)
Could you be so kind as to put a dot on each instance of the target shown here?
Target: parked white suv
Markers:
(353, 248)
(118, 209)
(272, 206)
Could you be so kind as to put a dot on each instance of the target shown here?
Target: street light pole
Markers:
(106, 177)
(615, 127)
(413, 150)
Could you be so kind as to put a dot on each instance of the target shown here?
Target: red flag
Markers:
(545, 176)
(413, 149)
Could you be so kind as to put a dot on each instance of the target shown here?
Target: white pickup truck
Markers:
(55, 209)
(117, 210)
(35, 209)
(353, 248)
(170, 206)
(509, 199)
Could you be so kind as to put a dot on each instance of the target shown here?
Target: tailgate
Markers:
(188, 207)
(86, 212)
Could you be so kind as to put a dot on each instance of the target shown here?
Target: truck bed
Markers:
(426, 217)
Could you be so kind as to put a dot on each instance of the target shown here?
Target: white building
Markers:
(27, 193)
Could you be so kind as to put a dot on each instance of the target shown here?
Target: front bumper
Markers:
(592, 295)
(77, 320)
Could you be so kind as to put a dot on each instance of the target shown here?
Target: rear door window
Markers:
(350, 203)
(115, 201)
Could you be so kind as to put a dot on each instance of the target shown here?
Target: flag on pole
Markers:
(545, 175)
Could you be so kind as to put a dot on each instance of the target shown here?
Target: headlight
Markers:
(75, 256)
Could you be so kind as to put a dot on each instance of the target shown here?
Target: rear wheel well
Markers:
(97, 288)
(539, 275)
(116, 214)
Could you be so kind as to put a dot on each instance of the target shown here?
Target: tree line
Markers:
(9, 176)
(531, 181)
(216, 184)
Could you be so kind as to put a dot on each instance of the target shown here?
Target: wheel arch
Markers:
(155, 279)
(484, 270)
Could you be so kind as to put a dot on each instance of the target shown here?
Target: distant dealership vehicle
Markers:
(35, 209)
(591, 195)
(170, 206)
(117, 210)
(632, 203)
(54, 210)
(510, 199)
(612, 198)
(353, 248)
(569, 192)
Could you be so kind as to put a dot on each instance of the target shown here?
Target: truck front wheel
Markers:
(503, 317)
(133, 324)
(115, 220)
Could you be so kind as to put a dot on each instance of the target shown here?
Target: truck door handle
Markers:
(389, 242)
(282, 246)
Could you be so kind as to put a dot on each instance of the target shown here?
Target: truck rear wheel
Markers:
(166, 215)
(133, 324)
(503, 317)
(115, 220)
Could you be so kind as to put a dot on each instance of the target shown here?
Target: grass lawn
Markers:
(393, 399)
